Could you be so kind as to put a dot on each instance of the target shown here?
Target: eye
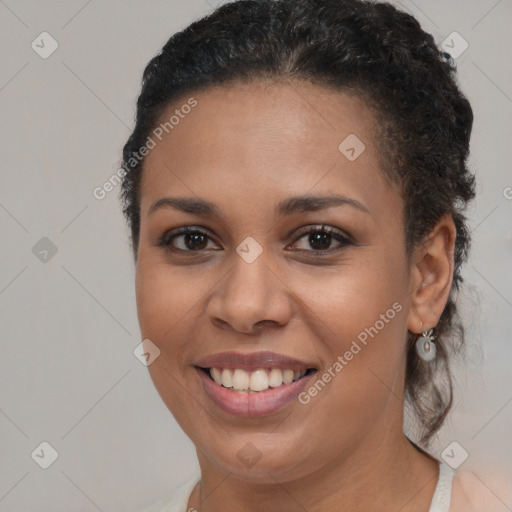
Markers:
(192, 239)
(321, 238)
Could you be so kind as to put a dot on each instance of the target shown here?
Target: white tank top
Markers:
(177, 501)
(443, 493)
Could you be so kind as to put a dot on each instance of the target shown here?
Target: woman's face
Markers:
(263, 283)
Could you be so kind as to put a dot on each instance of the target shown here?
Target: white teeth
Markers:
(288, 376)
(258, 380)
(227, 378)
(216, 375)
(275, 379)
(240, 379)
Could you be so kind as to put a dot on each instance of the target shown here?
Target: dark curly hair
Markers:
(367, 48)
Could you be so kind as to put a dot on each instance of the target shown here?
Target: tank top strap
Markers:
(443, 492)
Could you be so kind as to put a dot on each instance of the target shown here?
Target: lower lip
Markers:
(252, 404)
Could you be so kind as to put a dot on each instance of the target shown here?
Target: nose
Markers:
(250, 297)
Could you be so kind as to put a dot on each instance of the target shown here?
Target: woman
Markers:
(295, 187)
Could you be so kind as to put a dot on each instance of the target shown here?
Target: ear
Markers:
(432, 275)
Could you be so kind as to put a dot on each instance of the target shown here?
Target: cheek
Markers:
(355, 295)
(170, 309)
(359, 309)
(165, 307)
(163, 298)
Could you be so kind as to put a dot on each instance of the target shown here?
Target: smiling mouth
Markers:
(242, 381)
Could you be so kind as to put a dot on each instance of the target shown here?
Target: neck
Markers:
(380, 474)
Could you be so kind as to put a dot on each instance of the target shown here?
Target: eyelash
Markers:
(168, 237)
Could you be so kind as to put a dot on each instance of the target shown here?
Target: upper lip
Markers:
(252, 361)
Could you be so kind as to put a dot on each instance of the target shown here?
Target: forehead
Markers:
(262, 141)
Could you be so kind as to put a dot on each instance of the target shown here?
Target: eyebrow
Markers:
(297, 204)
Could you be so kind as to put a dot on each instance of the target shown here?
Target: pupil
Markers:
(194, 239)
(316, 239)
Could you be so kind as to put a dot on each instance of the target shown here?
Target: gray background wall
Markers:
(68, 375)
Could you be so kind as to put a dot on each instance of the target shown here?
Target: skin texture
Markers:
(245, 148)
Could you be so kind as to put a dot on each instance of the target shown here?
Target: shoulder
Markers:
(480, 491)
(177, 499)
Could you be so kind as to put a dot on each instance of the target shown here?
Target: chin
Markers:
(250, 464)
